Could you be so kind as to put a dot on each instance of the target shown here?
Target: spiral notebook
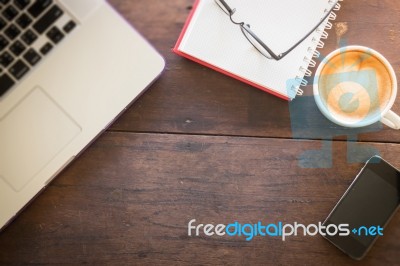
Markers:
(211, 39)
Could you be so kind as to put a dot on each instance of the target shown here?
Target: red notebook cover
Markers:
(175, 50)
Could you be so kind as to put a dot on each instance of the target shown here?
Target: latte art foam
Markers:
(355, 85)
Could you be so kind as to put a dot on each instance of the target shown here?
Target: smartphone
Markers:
(365, 209)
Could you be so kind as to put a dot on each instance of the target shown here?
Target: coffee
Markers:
(355, 85)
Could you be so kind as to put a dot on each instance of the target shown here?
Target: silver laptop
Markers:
(67, 69)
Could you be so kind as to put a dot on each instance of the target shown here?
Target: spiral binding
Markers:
(313, 53)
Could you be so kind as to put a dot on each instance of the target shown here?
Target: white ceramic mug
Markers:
(386, 116)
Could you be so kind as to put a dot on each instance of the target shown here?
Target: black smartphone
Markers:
(365, 209)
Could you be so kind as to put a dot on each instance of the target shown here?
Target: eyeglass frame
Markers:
(246, 27)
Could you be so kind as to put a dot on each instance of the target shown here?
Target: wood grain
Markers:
(199, 145)
(192, 99)
(130, 196)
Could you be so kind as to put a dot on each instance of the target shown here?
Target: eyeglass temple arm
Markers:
(247, 28)
(228, 8)
(280, 56)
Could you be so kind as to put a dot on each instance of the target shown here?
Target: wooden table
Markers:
(199, 145)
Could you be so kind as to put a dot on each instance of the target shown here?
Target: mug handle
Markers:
(391, 120)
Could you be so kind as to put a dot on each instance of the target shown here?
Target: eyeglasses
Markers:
(256, 41)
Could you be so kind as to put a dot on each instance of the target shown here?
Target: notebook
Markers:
(211, 39)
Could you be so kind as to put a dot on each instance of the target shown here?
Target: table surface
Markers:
(200, 145)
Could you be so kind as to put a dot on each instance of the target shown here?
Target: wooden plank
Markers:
(128, 200)
(192, 99)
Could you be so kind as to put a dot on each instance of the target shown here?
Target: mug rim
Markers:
(374, 118)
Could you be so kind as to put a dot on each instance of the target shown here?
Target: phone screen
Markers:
(366, 207)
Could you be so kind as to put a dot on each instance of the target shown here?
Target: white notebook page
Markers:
(214, 39)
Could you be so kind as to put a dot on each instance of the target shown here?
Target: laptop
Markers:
(68, 68)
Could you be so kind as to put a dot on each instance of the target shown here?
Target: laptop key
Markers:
(19, 69)
(5, 84)
(39, 7)
(21, 4)
(6, 59)
(48, 19)
(3, 43)
(32, 57)
(46, 48)
(55, 35)
(10, 13)
(29, 37)
(69, 26)
(24, 21)
(17, 48)
(12, 32)
(2, 23)
(4, 1)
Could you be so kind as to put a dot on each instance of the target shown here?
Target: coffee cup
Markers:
(356, 86)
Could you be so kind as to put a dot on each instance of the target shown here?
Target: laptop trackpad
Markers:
(31, 135)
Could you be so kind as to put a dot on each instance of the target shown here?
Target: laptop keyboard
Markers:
(29, 29)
